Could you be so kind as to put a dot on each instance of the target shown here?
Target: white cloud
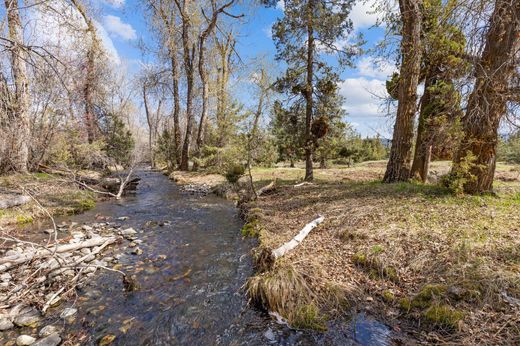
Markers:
(280, 5)
(363, 97)
(115, 3)
(116, 27)
(363, 15)
(372, 68)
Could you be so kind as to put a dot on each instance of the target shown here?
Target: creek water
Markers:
(190, 275)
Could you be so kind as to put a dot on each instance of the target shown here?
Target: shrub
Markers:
(234, 172)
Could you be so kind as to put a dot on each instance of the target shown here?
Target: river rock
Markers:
(5, 324)
(137, 251)
(25, 340)
(28, 317)
(87, 228)
(128, 232)
(5, 277)
(122, 218)
(48, 330)
(48, 231)
(132, 244)
(68, 313)
(269, 335)
(51, 340)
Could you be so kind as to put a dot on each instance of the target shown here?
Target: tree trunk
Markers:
(309, 176)
(487, 103)
(224, 50)
(176, 105)
(398, 168)
(188, 56)
(425, 135)
(205, 97)
(19, 126)
(150, 126)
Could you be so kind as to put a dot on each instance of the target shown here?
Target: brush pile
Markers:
(35, 277)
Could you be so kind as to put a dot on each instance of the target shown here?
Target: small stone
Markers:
(48, 330)
(137, 251)
(87, 228)
(5, 324)
(48, 231)
(269, 335)
(128, 231)
(138, 241)
(369, 299)
(51, 340)
(29, 317)
(25, 340)
(5, 277)
(122, 218)
(107, 340)
(132, 244)
(68, 313)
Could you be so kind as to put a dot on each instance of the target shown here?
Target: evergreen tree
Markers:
(308, 30)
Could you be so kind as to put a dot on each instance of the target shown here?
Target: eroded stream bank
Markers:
(190, 274)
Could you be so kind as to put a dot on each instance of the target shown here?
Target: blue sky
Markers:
(124, 22)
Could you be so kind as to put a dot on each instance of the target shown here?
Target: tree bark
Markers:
(188, 57)
(487, 103)
(224, 50)
(150, 126)
(19, 122)
(398, 168)
(309, 175)
(424, 141)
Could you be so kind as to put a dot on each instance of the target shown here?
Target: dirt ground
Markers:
(443, 268)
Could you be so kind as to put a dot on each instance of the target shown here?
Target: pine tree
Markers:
(308, 30)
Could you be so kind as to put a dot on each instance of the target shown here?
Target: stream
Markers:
(190, 274)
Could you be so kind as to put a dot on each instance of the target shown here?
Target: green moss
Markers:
(359, 259)
(388, 296)
(443, 315)
(42, 175)
(24, 219)
(376, 249)
(427, 294)
(308, 317)
(250, 229)
(405, 304)
(86, 204)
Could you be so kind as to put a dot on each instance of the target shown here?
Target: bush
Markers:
(234, 172)
(460, 175)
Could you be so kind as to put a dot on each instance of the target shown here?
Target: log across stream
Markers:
(189, 275)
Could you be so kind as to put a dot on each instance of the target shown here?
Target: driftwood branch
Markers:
(291, 244)
(266, 189)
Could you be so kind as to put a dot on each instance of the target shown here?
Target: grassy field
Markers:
(57, 195)
(442, 267)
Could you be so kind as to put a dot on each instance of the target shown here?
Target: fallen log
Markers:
(9, 262)
(266, 189)
(291, 244)
(9, 201)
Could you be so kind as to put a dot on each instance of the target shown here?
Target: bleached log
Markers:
(9, 262)
(305, 183)
(10, 201)
(268, 188)
(291, 244)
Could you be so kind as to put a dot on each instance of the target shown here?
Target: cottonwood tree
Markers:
(398, 168)
(166, 18)
(308, 30)
(18, 102)
(225, 45)
(205, 33)
(442, 64)
(494, 87)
